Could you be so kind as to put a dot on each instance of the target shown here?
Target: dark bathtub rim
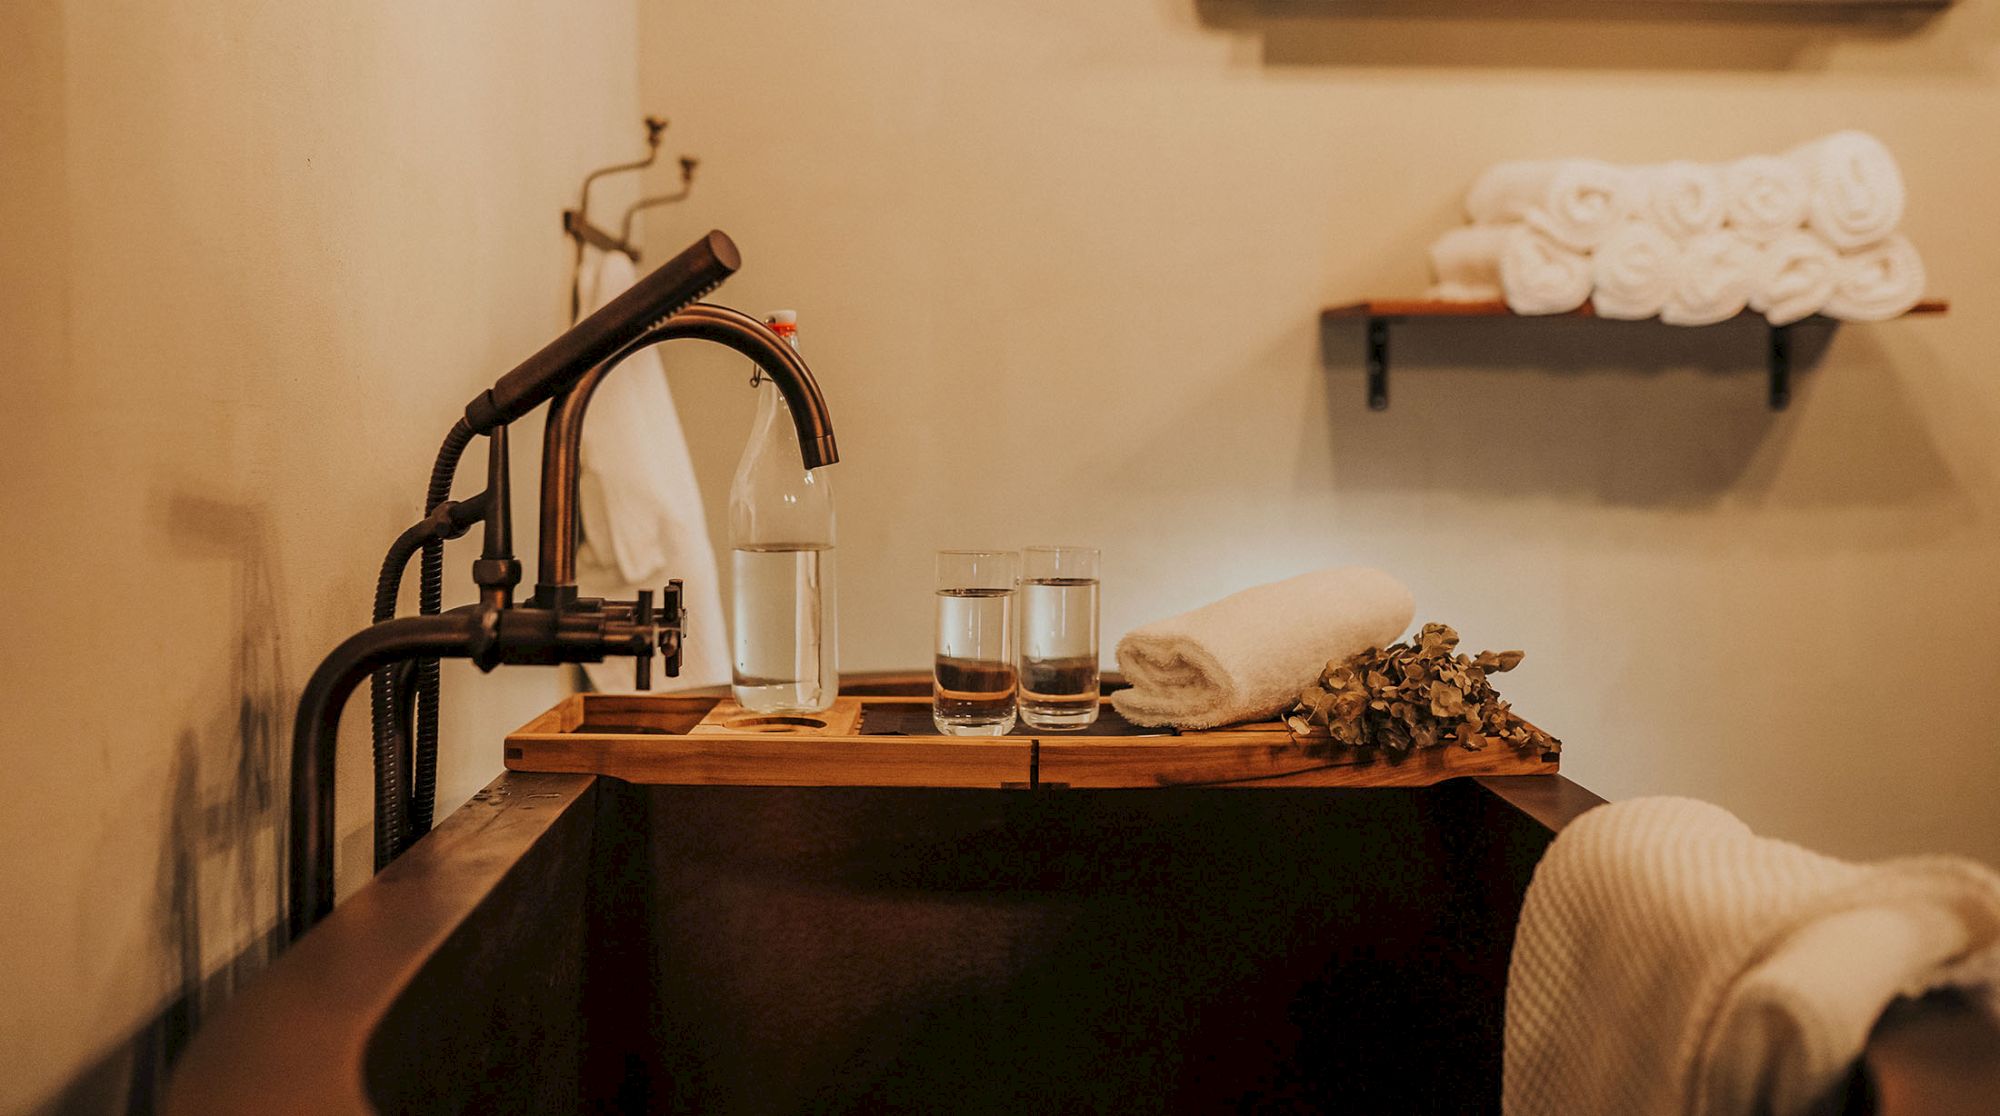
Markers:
(297, 1038)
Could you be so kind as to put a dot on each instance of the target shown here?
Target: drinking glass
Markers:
(972, 682)
(1059, 637)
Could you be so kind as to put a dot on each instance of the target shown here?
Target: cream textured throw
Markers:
(1669, 961)
(1247, 656)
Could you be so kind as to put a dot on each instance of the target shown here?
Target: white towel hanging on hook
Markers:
(641, 511)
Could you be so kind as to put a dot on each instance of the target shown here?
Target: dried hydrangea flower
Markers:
(1415, 695)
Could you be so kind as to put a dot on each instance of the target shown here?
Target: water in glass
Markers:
(1059, 652)
(973, 685)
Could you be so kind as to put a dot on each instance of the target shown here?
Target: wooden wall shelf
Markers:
(1379, 312)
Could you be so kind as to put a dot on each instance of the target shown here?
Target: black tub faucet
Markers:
(556, 625)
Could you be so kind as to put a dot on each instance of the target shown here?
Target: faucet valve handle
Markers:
(673, 627)
(642, 615)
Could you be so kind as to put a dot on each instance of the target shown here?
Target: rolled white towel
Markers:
(1685, 199)
(1795, 277)
(1466, 263)
(1248, 655)
(1576, 201)
(1717, 273)
(1505, 192)
(1878, 282)
(1634, 270)
(1586, 201)
(1540, 276)
(1855, 189)
(1764, 196)
(1463, 292)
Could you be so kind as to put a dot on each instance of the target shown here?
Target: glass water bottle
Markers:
(781, 553)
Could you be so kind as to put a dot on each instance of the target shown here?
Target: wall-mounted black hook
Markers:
(578, 227)
(576, 222)
(688, 164)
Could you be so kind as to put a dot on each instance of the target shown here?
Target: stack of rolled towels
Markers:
(1812, 231)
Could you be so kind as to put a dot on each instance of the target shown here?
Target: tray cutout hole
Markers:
(776, 724)
(641, 714)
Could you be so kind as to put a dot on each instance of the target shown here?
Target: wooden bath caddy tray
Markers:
(890, 742)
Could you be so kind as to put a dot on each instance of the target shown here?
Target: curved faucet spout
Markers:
(556, 580)
(771, 353)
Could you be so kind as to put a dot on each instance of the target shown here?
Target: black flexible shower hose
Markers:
(403, 808)
(430, 601)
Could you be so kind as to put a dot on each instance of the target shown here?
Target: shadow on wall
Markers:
(1629, 413)
(1562, 34)
(221, 858)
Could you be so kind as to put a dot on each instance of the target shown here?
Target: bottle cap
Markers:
(784, 323)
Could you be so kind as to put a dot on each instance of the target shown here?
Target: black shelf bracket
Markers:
(1781, 367)
(1378, 364)
(1778, 359)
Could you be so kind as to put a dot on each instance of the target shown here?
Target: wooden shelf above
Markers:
(1438, 308)
(1379, 312)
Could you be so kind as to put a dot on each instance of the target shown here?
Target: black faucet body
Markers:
(557, 625)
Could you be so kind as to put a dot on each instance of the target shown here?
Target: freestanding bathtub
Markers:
(577, 943)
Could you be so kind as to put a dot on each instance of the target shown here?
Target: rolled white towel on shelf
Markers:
(1634, 271)
(1684, 199)
(1855, 189)
(1576, 201)
(1466, 263)
(1878, 282)
(1247, 656)
(1505, 192)
(1764, 197)
(1586, 201)
(1540, 276)
(1667, 959)
(1796, 274)
(1462, 292)
(1717, 273)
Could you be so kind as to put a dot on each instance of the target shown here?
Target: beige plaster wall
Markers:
(253, 259)
(1059, 268)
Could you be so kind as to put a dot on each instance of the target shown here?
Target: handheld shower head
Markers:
(699, 269)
